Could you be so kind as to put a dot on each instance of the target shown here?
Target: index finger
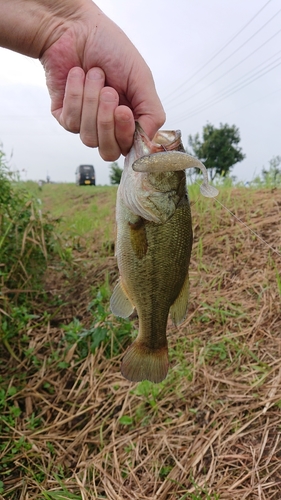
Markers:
(146, 105)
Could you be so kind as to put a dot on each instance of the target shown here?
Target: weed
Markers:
(278, 279)
(201, 266)
(126, 420)
(199, 493)
(33, 422)
(9, 411)
(150, 395)
(165, 470)
(220, 312)
(112, 333)
(27, 237)
(61, 495)
(149, 391)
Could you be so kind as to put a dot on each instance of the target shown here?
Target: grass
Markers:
(71, 427)
(79, 206)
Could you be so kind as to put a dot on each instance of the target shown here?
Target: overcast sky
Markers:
(213, 61)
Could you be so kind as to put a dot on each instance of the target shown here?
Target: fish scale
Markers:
(153, 248)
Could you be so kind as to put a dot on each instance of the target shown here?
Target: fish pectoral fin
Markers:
(178, 309)
(138, 238)
(120, 304)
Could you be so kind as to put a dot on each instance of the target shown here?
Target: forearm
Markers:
(31, 26)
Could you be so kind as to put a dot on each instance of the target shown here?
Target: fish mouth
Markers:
(164, 140)
(165, 153)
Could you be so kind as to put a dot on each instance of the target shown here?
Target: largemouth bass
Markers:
(153, 247)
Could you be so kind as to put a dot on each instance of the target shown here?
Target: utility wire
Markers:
(236, 110)
(189, 115)
(249, 228)
(231, 91)
(225, 73)
(235, 84)
(223, 61)
(219, 51)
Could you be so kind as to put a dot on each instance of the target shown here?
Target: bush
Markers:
(26, 239)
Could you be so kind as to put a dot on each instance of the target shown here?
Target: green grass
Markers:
(61, 495)
(80, 207)
(102, 330)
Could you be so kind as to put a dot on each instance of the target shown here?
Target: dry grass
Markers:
(210, 430)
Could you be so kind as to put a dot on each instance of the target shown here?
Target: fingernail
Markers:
(94, 74)
(76, 73)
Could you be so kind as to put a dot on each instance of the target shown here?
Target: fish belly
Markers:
(153, 261)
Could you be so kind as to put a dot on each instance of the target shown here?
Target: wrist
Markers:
(31, 26)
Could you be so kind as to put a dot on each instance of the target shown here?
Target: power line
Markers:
(231, 92)
(220, 50)
(223, 61)
(226, 72)
(256, 100)
(226, 93)
(234, 85)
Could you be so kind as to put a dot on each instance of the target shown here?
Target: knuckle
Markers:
(71, 126)
(161, 119)
(109, 156)
(71, 122)
(106, 125)
(90, 101)
(89, 140)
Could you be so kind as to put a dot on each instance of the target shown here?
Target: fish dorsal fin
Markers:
(120, 303)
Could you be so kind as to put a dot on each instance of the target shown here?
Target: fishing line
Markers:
(248, 227)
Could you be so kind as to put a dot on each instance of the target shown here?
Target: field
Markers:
(73, 428)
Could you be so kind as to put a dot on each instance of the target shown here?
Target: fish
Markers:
(153, 247)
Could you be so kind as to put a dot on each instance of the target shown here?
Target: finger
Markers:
(148, 109)
(72, 104)
(124, 128)
(94, 82)
(151, 123)
(108, 146)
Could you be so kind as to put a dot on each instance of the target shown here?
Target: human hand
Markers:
(98, 82)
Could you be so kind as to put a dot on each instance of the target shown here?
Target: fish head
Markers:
(164, 140)
(153, 181)
(171, 157)
(152, 195)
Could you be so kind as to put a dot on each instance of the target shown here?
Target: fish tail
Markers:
(143, 363)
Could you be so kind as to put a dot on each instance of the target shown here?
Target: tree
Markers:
(272, 176)
(115, 174)
(218, 150)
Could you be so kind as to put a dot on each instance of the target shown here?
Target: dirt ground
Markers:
(211, 430)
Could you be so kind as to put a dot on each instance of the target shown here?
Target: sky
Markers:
(213, 62)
